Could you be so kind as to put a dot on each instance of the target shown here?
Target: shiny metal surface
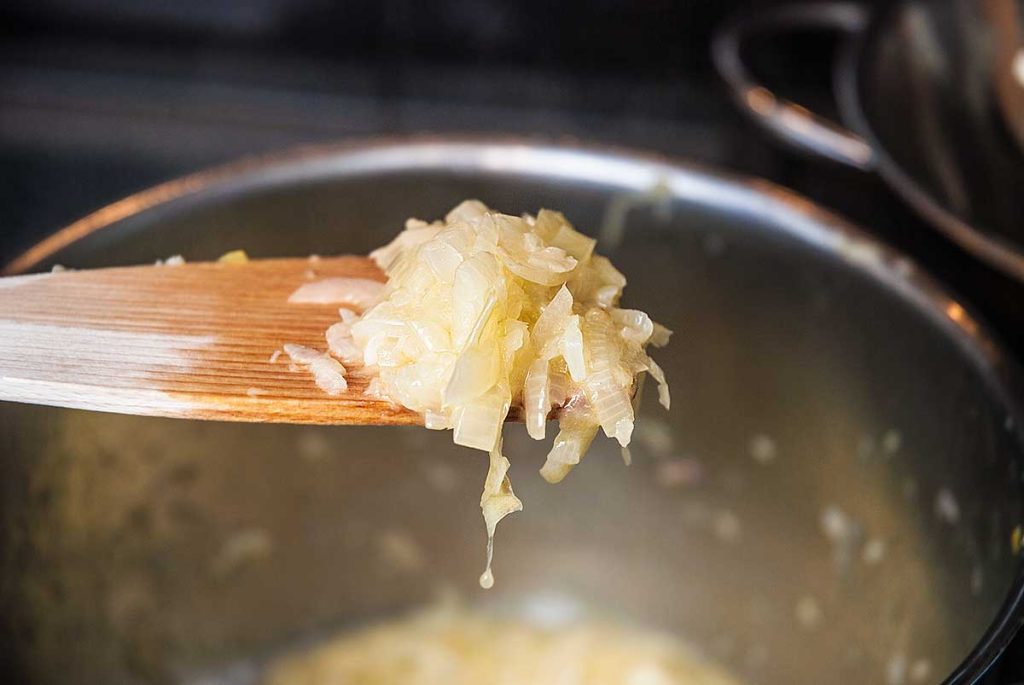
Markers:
(790, 122)
(155, 551)
(925, 91)
(1007, 19)
(946, 147)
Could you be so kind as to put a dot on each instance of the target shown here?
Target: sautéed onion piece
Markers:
(453, 646)
(485, 311)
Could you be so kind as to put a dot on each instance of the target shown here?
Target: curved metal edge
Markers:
(791, 123)
(569, 159)
(996, 252)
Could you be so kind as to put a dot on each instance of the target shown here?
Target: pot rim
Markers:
(640, 171)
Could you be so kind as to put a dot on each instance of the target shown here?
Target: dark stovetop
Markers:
(82, 125)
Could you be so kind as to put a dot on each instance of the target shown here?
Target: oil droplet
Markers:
(487, 580)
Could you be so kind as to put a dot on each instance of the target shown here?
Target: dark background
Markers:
(102, 98)
(99, 98)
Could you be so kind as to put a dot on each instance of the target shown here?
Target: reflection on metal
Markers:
(948, 157)
(957, 314)
(761, 100)
(790, 122)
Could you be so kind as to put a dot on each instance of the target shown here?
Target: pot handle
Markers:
(787, 120)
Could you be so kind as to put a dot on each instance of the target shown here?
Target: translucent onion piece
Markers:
(552, 320)
(385, 257)
(419, 385)
(435, 421)
(476, 281)
(300, 354)
(574, 243)
(556, 230)
(524, 256)
(517, 334)
(571, 443)
(660, 335)
(485, 234)
(361, 293)
(611, 405)
(664, 398)
(600, 284)
(341, 344)
(475, 373)
(496, 502)
(441, 258)
(234, 257)
(560, 387)
(570, 345)
(536, 398)
(373, 388)
(433, 336)
(634, 325)
(604, 346)
(548, 223)
(467, 210)
(328, 374)
(478, 425)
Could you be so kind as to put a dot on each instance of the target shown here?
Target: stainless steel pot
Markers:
(930, 94)
(832, 499)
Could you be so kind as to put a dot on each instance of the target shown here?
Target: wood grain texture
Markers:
(188, 341)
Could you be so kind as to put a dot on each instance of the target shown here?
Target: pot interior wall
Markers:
(805, 388)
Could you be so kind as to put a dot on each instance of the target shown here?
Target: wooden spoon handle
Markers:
(189, 341)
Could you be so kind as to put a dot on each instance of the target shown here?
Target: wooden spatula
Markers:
(191, 341)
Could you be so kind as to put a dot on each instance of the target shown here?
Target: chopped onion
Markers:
(361, 293)
(234, 257)
(571, 443)
(478, 424)
(476, 372)
(300, 354)
(328, 373)
(341, 344)
(173, 260)
(467, 210)
(570, 345)
(496, 502)
(386, 257)
(536, 398)
(435, 421)
(442, 258)
(473, 295)
(486, 309)
(552, 322)
(660, 335)
(633, 325)
(663, 395)
(611, 405)
(373, 389)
